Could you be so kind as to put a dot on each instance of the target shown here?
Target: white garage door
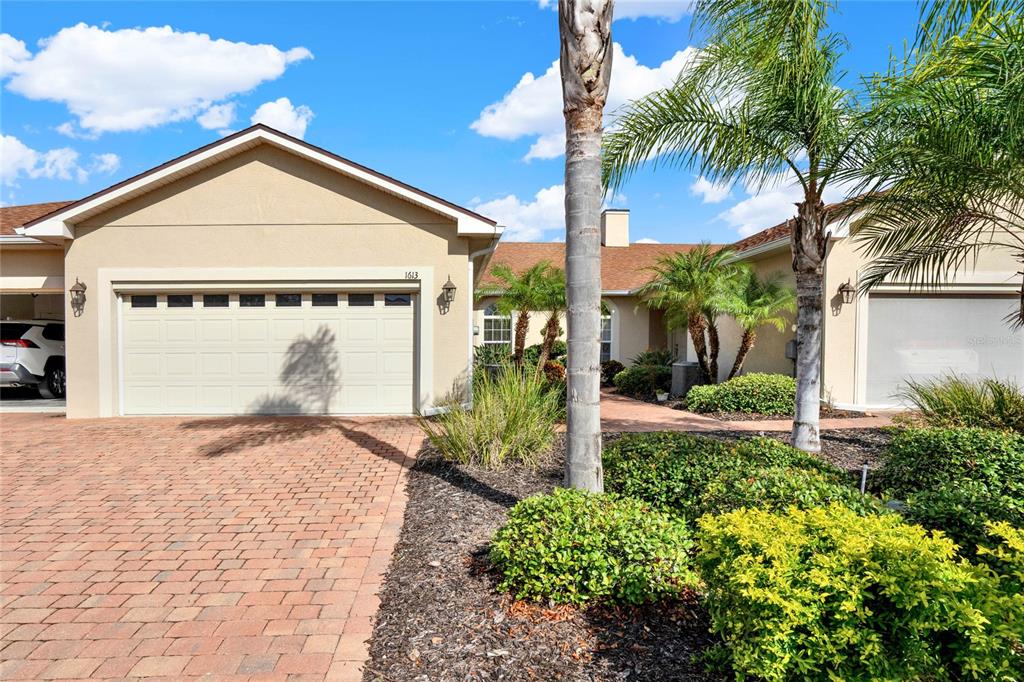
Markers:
(925, 337)
(267, 353)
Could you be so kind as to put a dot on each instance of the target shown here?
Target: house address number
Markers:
(412, 274)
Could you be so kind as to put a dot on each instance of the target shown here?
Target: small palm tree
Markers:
(691, 287)
(758, 302)
(551, 292)
(519, 294)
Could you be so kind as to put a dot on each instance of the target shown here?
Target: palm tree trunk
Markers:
(522, 326)
(584, 28)
(714, 347)
(746, 343)
(808, 243)
(695, 325)
(550, 336)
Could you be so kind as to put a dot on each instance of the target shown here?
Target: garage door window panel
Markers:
(179, 300)
(325, 300)
(144, 301)
(215, 300)
(252, 300)
(360, 300)
(288, 300)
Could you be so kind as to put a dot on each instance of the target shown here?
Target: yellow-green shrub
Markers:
(824, 594)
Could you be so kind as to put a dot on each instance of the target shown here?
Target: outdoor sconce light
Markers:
(76, 295)
(448, 290)
(847, 292)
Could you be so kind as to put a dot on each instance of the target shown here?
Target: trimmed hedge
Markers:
(689, 476)
(773, 394)
(824, 594)
(573, 547)
(609, 368)
(956, 480)
(644, 381)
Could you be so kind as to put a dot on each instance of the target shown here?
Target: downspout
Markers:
(469, 315)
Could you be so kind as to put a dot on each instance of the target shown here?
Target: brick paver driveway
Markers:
(225, 548)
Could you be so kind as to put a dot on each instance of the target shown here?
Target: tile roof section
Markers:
(623, 268)
(16, 216)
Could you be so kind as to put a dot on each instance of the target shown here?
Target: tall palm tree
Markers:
(519, 294)
(551, 292)
(947, 177)
(758, 302)
(585, 34)
(691, 287)
(762, 100)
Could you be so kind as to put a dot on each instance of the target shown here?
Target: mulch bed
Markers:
(442, 619)
(826, 413)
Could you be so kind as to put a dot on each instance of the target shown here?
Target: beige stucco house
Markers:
(871, 345)
(262, 274)
(258, 274)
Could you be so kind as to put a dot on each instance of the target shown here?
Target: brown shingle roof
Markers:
(16, 216)
(623, 268)
(782, 230)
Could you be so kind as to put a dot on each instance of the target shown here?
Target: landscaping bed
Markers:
(442, 619)
(826, 413)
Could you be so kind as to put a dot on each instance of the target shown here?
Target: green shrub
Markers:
(609, 368)
(689, 475)
(573, 547)
(531, 354)
(824, 594)
(958, 401)
(962, 510)
(644, 381)
(923, 459)
(773, 394)
(512, 421)
(658, 357)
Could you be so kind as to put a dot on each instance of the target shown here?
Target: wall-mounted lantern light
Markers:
(76, 294)
(847, 291)
(448, 290)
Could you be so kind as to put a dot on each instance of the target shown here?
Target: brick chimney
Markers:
(615, 227)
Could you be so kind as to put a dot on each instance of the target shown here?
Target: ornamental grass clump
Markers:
(825, 594)
(958, 401)
(512, 421)
(574, 547)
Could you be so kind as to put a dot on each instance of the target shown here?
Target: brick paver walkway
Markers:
(619, 413)
(175, 548)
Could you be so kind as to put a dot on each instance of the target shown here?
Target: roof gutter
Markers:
(767, 247)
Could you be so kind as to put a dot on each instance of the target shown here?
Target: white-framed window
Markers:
(606, 333)
(497, 327)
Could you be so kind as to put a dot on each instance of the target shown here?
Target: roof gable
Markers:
(59, 224)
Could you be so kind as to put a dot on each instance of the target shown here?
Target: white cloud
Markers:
(527, 220)
(217, 117)
(646, 240)
(533, 108)
(280, 114)
(710, 192)
(12, 53)
(668, 10)
(774, 204)
(19, 160)
(137, 78)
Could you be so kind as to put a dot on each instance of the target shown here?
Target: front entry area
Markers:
(251, 351)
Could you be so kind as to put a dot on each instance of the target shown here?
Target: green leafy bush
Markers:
(922, 459)
(962, 510)
(609, 368)
(958, 401)
(658, 357)
(825, 594)
(690, 476)
(531, 354)
(573, 547)
(773, 394)
(512, 421)
(644, 381)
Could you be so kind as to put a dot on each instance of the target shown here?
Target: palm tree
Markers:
(758, 302)
(519, 294)
(761, 101)
(947, 179)
(551, 292)
(585, 34)
(691, 287)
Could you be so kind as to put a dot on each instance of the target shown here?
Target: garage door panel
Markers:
(270, 360)
(920, 338)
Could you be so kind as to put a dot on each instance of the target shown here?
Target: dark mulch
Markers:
(826, 413)
(442, 619)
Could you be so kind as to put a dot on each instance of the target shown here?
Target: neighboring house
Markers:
(628, 327)
(257, 274)
(871, 345)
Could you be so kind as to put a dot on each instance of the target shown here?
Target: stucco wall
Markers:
(33, 268)
(264, 211)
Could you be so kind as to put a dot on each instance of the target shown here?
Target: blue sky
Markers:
(453, 97)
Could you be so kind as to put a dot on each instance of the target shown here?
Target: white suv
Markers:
(32, 354)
